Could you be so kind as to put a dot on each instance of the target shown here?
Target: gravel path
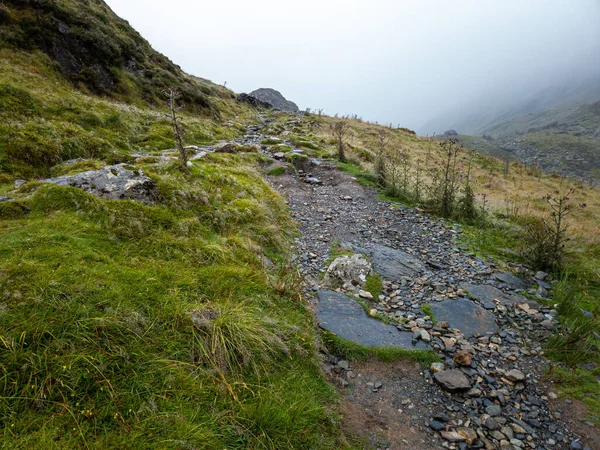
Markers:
(489, 390)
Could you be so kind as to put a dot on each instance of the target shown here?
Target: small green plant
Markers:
(426, 309)
(276, 171)
(466, 208)
(374, 285)
(546, 238)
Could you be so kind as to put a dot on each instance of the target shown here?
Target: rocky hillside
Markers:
(275, 98)
(98, 51)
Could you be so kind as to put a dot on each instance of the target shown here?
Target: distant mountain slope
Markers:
(98, 51)
(275, 98)
(470, 117)
(566, 140)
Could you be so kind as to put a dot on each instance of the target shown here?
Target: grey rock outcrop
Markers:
(347, 270)
(275, 98)
(116, 182)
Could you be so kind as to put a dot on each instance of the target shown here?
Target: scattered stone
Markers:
(469, 318)
(515, 375)
(452, 436)
(462, 358)
(365, 294)
(436, 367)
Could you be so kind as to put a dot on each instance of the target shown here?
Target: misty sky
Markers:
(385, 60)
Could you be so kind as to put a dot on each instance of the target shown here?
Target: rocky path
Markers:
(489, 391)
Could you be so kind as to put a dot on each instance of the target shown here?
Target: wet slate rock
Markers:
(486, 294)
(116, 182)
(5, 199)
(512, 281)
(392, 264)
(452, 380)
(346, 318)
(468, 317)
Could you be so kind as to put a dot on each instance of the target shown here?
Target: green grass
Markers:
(363, 178)
(125, 324)
(374, 285)
(67, 124)
(276, 171)
(352, 351)
(426, 309)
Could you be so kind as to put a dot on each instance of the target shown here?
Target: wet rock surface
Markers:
(466, 316)
(345, 317)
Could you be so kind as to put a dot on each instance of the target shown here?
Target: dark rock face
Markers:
(465, 315)
(253, 101)
(113, 182)
(345, 317)
(275, 98)
(450, 133)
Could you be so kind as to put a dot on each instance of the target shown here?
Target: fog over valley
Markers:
(426, 65)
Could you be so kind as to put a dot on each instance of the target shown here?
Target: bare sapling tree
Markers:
(340, 131)
(467, 210)
(173, 95)
(380, 163)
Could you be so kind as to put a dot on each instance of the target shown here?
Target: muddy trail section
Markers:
(488, 391)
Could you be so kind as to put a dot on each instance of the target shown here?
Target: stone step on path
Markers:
(346, 318)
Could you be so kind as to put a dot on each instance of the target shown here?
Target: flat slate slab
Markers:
(489, 294)
(512, 281)
(392, 264)
(346, 318)
(470, 318)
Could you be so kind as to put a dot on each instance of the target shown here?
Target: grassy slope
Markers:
(131, 326)
(98, 343)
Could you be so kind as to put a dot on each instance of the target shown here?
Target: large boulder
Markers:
(275, 98)
(347, 270)
(113, 182)
(452, 380)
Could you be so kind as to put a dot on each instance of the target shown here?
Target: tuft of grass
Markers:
(426, 309)
(352, 351)
(277, 171)
(374, 285)
(231, 336)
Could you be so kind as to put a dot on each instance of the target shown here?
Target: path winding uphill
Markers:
(488, 392)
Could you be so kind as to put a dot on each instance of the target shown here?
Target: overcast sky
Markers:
(387, 60)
